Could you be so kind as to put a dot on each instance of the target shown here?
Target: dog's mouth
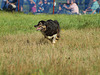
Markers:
(39, 28)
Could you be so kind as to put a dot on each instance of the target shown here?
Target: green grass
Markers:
(17, 23)
(24, 51)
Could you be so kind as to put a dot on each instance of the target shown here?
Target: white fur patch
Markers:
(50, 37)
(54, 38)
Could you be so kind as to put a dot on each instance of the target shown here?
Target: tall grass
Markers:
(24, 51)
(76, 53)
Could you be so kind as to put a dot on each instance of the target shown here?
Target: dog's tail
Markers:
(56, 22)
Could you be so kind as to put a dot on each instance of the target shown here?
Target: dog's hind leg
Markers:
(58, 34)
(54, 38)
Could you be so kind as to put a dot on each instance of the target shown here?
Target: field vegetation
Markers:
(24, 51)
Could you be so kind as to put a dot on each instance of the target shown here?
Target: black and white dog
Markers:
(50, 29)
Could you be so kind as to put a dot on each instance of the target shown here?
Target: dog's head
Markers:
(41, 26)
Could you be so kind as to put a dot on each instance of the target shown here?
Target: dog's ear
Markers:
(42, 22)
(45, 23)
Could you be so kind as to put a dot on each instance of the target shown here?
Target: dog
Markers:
(50, 29)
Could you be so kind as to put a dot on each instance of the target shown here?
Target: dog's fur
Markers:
(50, 29)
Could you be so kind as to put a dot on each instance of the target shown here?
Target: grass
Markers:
(14, 23)
(23, 51)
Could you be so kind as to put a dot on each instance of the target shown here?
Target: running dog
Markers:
(50, 29)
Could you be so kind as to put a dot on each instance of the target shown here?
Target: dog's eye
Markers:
(40, 25)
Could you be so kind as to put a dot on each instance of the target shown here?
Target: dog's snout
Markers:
(35, 25)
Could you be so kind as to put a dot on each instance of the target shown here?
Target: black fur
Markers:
(52, 27)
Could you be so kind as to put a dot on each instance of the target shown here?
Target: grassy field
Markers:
(24, 51)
